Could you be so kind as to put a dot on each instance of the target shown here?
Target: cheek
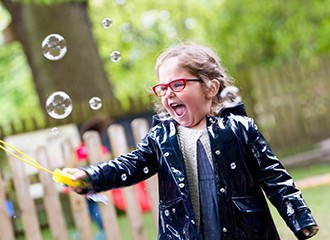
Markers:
(164, 103)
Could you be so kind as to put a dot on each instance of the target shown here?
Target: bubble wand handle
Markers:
(67, 179)
(58, 175)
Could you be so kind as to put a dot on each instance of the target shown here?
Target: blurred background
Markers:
(103, 62)
(277, 51)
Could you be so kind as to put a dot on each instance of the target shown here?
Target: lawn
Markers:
(317, 199)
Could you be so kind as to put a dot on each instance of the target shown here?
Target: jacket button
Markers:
(124, 177)
(166, 154)
(146, 170)
(222, 190)
(224, 229)
(217, 152)
(233, 165)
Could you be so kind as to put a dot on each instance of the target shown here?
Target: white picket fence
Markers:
(52, 203)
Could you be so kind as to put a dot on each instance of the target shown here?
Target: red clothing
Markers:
(117, 194)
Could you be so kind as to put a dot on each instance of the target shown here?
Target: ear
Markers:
(214, 88)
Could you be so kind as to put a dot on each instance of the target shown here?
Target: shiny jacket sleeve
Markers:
(278, 184)
(125, 170)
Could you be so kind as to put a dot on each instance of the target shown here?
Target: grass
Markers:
(150, 229)
(317, 199)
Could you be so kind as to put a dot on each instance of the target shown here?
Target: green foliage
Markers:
(48, 1)
(245, 33)
(273, 31)
(17, 93)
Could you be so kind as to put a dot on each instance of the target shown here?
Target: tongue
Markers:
(180, 110)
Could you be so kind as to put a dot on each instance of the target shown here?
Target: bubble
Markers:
(107, 23)
(115, 56)
(59, 105)
(54, 131)
(54, 47)
(95, 103)
(120, 2)
(190, 23)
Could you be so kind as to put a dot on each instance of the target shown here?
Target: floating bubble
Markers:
(120, 2)
(115, 56)
(54, 47)
(59, 105)
(107, 23)
(190, 23)
(54, 131)
(95, 103)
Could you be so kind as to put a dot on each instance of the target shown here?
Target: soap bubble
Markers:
(115, 56)
(95, 103)
(107, 23)
(59, 105)
(190, 23)
(54, 47)
(120, 2)
(54, 131)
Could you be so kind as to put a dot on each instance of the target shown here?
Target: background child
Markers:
(213, 164)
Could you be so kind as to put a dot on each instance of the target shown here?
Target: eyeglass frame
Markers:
(166, 85)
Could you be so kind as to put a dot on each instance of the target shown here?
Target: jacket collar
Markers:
(238, 109)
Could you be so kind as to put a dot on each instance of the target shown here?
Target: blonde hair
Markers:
(202, 62)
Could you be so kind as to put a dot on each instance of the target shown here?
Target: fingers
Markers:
(310, 231)
(76, 173)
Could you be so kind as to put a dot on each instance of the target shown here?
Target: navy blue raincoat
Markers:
(245, 168)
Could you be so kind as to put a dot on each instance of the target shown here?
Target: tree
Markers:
(80, 73)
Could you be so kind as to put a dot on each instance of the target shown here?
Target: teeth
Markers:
(174, 104)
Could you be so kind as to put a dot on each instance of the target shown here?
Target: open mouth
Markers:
(179, 109)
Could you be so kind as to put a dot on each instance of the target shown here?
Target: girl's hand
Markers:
(310, 231)
(78, 174)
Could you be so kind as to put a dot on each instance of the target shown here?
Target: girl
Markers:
(213, 164)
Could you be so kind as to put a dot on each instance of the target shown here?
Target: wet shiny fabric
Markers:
(209, 211)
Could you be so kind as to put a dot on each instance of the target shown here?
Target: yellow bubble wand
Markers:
(58, 175)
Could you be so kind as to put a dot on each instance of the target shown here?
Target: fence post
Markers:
(119, 146)
(52, 202)
(6, 227)
(108, 211)
(78, 202)
(25, 201)
(140, 128)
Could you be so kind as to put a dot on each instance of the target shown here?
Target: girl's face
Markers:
(189, 106)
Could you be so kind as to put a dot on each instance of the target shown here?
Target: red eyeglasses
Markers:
(176, 85)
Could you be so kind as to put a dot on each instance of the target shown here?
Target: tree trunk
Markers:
(80, 72)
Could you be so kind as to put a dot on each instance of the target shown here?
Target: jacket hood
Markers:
(238, 109)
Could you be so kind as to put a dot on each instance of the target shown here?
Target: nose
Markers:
(169, 92)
